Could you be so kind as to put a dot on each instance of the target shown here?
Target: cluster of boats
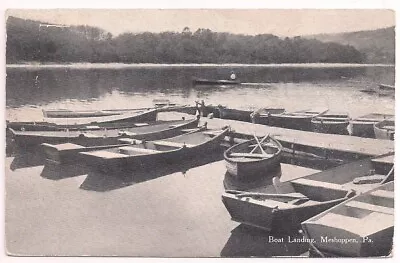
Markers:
(353, 201)
(374, 125)
(331, 203)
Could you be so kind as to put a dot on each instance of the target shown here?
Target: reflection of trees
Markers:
(40, 86)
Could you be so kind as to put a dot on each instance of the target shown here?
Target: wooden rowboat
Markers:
(384, 130)
(282, 207)
(298, 120)
(331, 122)
(149, 131)
(234, 114)
(68, 152)
(150, 153)
(90, 123)
(360, 227)
(363, 126)
(200, 81)
(247, 160)
(260, 116)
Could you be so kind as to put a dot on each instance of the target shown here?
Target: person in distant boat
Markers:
(202, 106)
(233, 75)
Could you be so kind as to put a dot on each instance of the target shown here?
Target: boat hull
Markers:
(269, 218)
(331, 127)
(234, 114)
(118, 162)
(290, 122)
(383, 133)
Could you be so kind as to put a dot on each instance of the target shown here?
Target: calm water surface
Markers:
(170, 211)
(30, 90)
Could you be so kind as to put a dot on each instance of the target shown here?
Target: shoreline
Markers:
(34, 65)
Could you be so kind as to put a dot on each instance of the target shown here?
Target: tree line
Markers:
(29, 41)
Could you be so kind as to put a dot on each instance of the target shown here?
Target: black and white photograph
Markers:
(200, 133)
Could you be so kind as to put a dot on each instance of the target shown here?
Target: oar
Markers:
(259, 143)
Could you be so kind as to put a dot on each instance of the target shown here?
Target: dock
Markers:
(328, 142)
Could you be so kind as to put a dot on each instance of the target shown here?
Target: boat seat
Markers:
(388, 127)
(172, 144)
(105, 154)
(92, 127)
(369, 179)
(383, 193)
(90, 135)
(304, 181)
(64, 146)
(251, 155)
(134, 150)
(141, 124)
(128, 133)
(370, 207)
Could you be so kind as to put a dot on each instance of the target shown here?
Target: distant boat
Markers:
(363, 126)
(298, 120)
(331, 122)
(148, 131)
(247, 160)
(366, 220)
(151, 153)
(200, 81)
(385, 130)
(282, 207)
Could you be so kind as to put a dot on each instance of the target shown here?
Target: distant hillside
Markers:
(377, 45)
(29, 40)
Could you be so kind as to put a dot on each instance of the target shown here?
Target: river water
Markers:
(293, 88)
(171, 211)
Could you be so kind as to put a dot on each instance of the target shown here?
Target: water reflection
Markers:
(42, 86)
(247, 241)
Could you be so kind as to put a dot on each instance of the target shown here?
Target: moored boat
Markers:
(363, 126)
(331, 122)
(260, 116)
(90, 123)
(150, 153)
(282, 207)
(234, 114)
(201, 81)
(384, 130)
(254, 158)
(149, 131)
(298, 120)
(360, 227)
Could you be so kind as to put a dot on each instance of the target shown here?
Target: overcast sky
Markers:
(277, 22)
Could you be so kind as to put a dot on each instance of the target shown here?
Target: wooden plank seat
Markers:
(304, 181)
(135, 150)
(370, 207)
(172, 144)
(251, 155)
(383, 194)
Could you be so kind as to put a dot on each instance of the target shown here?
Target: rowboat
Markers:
(331, 122)
(363, 126)
(260, 116)
(384, 130)
(234, 114)
(68, 152)
(64, 113)
(91, 123)
(298, 120)
(360, 227)
(149, 131)
(200, 81)
(151, 153)
(253, 158)
(282, 206)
